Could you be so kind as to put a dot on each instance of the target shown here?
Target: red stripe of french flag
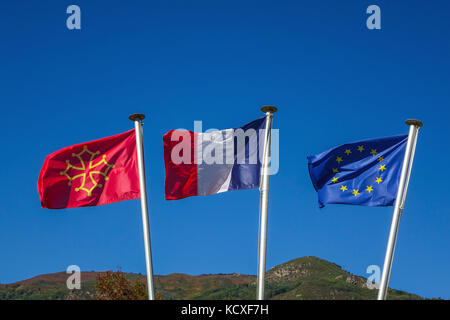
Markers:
(181, 178)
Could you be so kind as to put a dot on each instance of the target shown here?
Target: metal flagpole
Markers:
(264, 201)
(137, 118)
(414, 126)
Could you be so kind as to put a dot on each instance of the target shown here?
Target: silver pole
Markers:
(414, 126)
(264, 201)
(137, 118)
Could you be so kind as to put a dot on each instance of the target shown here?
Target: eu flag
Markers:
(364, 173)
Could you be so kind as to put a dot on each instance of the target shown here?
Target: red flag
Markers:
(91, 174)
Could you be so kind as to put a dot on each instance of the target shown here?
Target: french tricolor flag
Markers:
(200, 164)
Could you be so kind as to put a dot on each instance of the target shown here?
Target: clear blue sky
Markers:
(333, 80)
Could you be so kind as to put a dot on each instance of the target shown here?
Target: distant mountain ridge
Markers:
(309, 278)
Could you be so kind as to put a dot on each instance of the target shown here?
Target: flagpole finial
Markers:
(270, 109)
(414, 122)
(136, 117)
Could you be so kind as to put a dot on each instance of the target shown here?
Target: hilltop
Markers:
(303, 278)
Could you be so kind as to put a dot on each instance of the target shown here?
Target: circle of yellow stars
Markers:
(369, 188)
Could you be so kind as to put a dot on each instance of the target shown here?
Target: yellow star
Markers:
(339, 159)
(379, 180)
(343, 188)
(335, 170)
(373, 152)
(369, 189)
(355, 192)
(360, 148)
(380, 159)
(348, 151)
(334, 179)
(382, 167)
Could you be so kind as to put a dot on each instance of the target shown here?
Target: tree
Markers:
(115, 286)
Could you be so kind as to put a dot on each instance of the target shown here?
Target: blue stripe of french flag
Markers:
(200, 164)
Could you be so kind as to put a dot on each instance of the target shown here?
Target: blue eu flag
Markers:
(364, 173)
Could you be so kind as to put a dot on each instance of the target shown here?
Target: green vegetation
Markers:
(20, 293)
(307, 278)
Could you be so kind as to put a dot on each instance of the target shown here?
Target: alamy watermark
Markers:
(74, 20)
(224, 147)
(374, 20)
(74, 280)
(373, 281)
